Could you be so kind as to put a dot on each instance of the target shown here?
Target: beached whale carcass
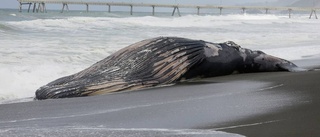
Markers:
(161, 61)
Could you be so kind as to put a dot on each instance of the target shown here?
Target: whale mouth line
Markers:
(70, 89)
(56, 91)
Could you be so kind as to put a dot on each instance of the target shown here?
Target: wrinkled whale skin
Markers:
(161, 61)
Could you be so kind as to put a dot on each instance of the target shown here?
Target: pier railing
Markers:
(42, 6)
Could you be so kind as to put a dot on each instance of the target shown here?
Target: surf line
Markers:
(168, 130)
(272, 87)
(248, 125)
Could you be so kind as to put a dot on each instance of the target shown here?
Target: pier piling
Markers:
(178, 11)
(87, 5)
(290, 10)
(267, 10)
(220, 8)
(29, 7)
(109, 8)
(313, 11)
(39, 5)
(243, 10)
(153, 10)
(174, 10)
(198, 10)
(64, 5)
(20, 7)
(34, 7)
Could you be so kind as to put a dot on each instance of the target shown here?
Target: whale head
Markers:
(60, 88)
(258, 61)
(91, 81)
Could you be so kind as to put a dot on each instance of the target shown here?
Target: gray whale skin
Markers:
(162, 61)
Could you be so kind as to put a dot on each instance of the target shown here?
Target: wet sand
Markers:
(256, 104)
(294, 121)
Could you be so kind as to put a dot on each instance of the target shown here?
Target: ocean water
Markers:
(36, 48)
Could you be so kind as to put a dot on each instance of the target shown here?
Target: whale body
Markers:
(161, 61)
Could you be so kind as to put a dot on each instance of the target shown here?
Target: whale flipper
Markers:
(148, 63)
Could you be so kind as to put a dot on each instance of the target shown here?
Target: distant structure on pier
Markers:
(40, 6)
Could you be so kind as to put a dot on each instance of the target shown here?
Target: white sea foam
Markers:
(42, 49)
(171, 22)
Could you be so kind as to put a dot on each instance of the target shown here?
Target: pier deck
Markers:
(65, 3)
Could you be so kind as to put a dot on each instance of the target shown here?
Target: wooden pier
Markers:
(42, 6)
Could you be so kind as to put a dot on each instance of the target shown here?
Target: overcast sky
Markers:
(13, 4)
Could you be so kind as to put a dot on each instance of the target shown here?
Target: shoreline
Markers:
(252, 104)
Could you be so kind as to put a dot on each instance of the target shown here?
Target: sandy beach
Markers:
(254, 104)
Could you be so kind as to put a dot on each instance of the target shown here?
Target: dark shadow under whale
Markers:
(161, 61)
